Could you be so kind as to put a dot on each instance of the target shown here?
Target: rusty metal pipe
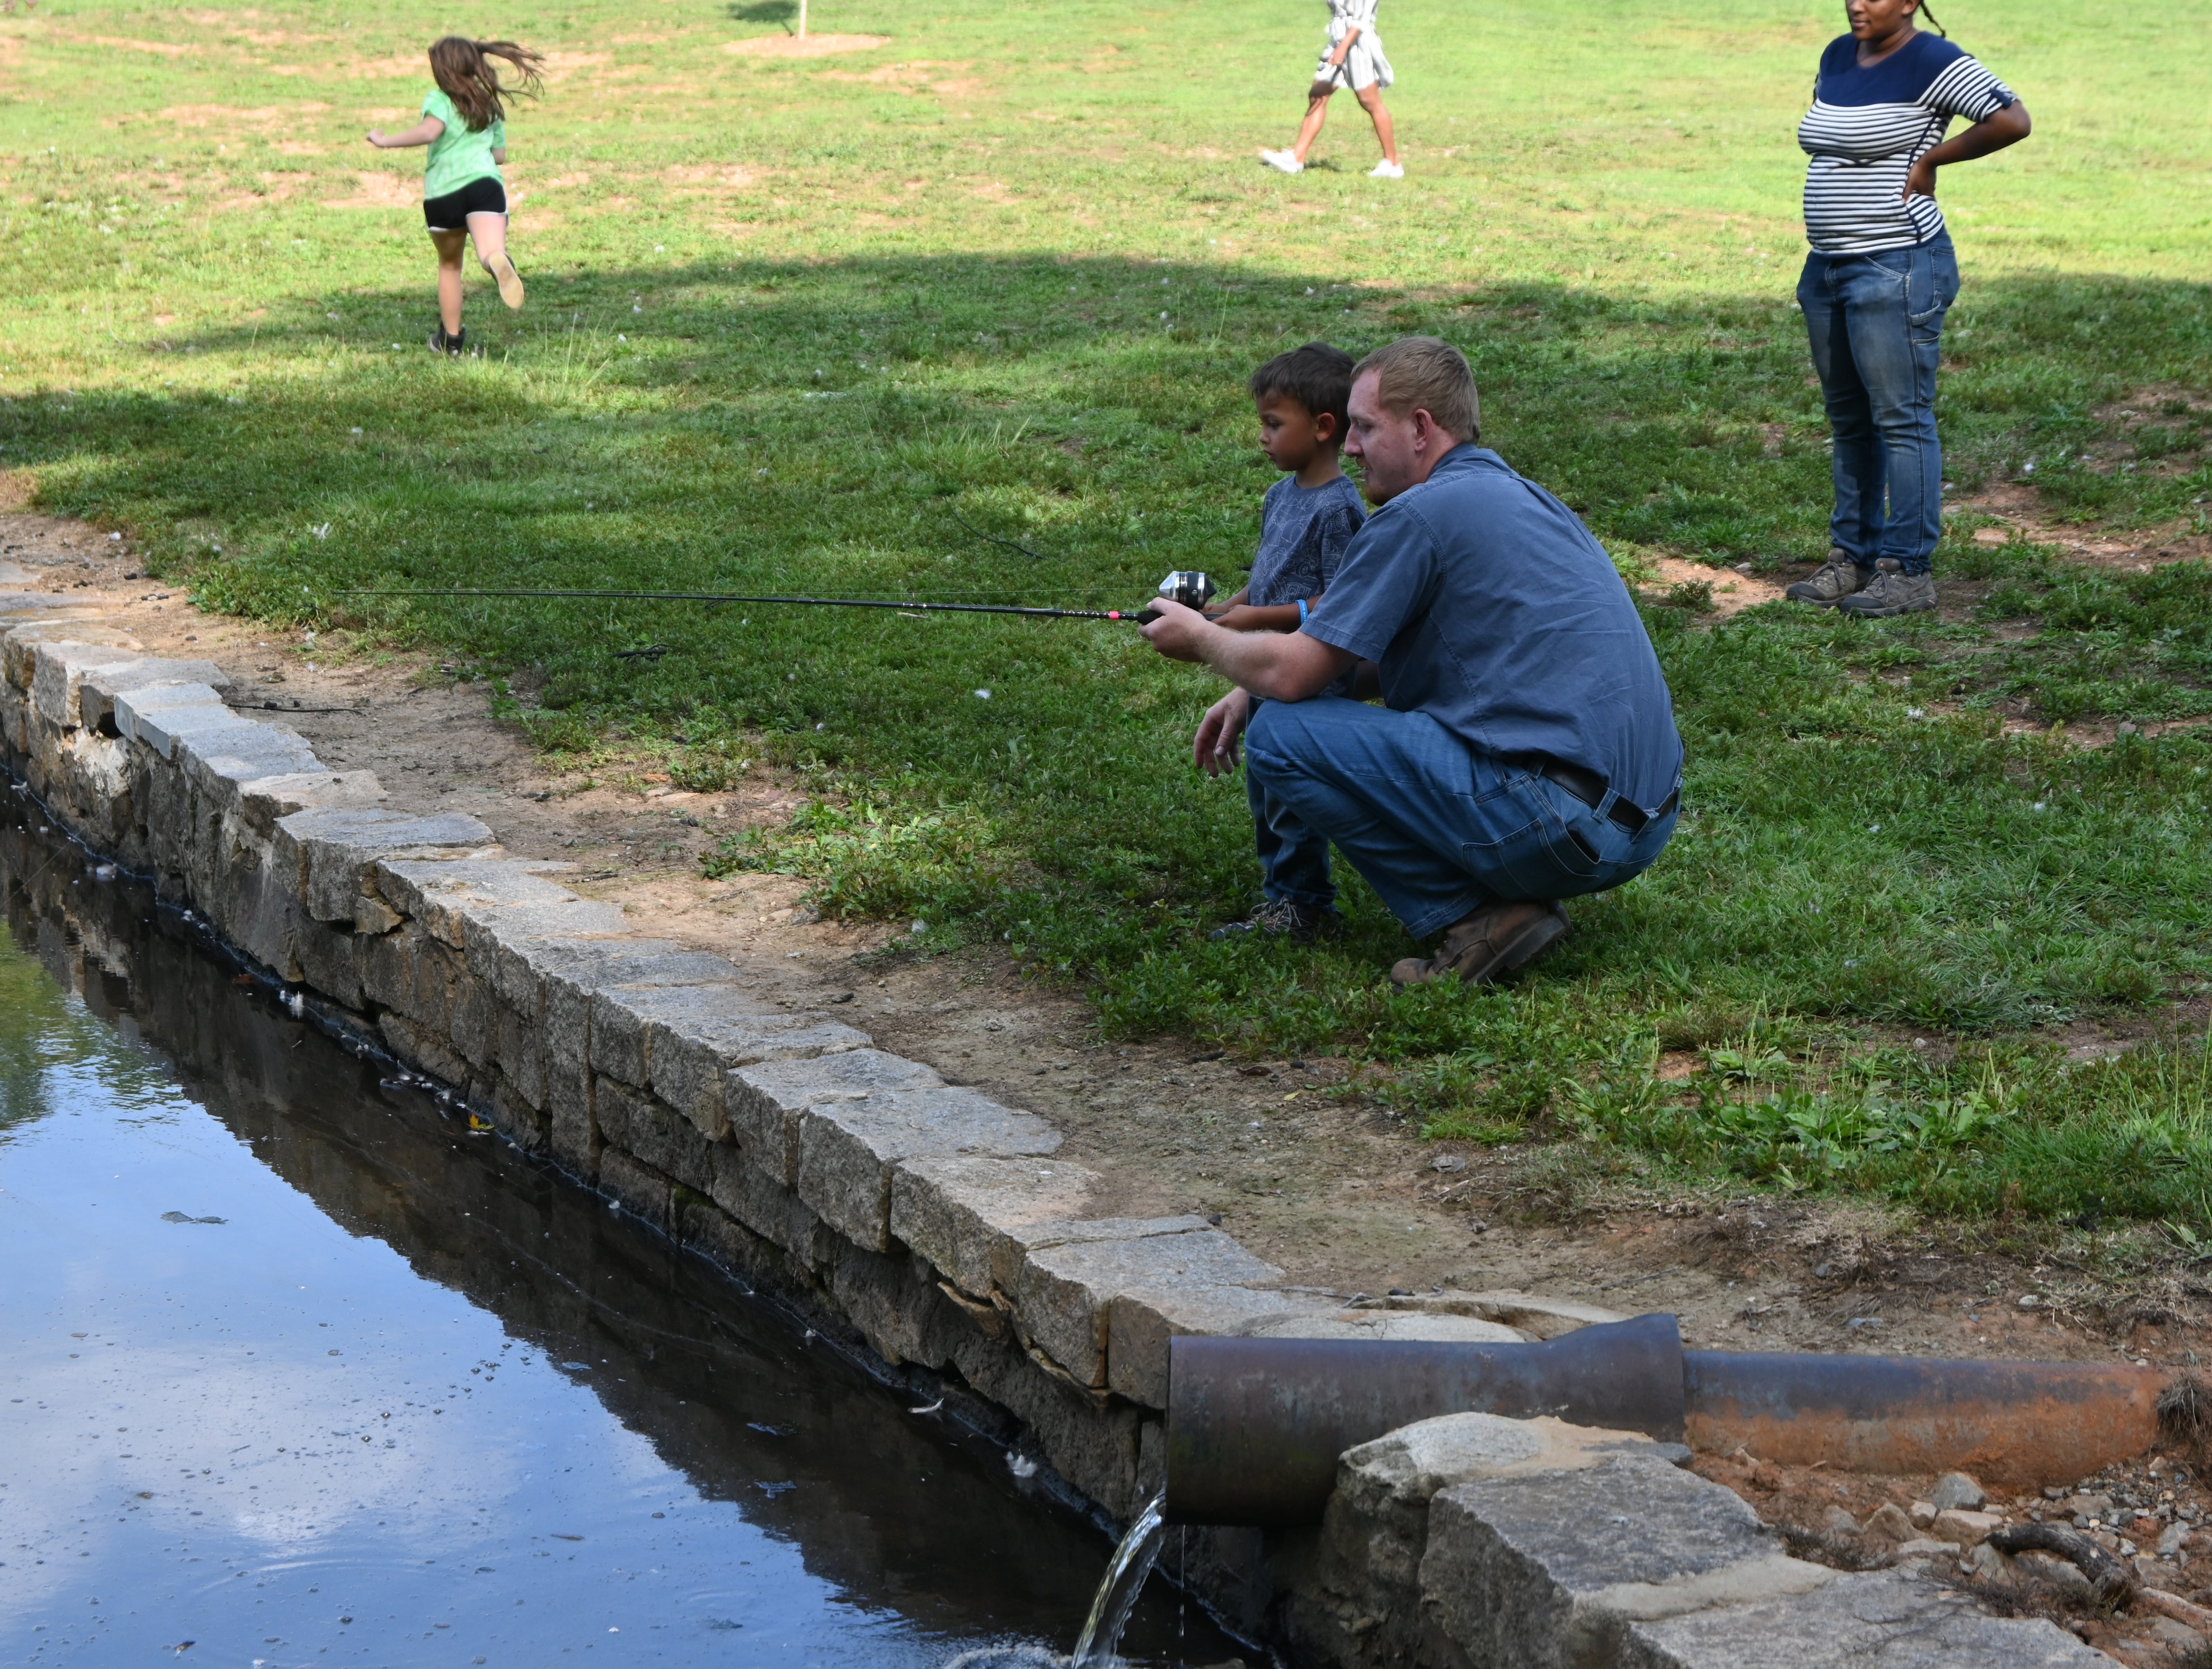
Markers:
(1254, 1425)
(2019, 1424)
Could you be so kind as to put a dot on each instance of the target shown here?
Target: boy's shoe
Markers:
(1386, 169)
(455, 344)
(1892, 591)
(1301, 924)
(1493, 940)
(510, 282)
(1837, 577)
(1286, 161)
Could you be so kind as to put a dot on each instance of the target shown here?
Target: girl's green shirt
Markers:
(458, 156)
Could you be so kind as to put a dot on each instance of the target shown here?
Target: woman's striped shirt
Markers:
(1868, 123)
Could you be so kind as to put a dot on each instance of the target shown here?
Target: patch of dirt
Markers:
(1733, 589)
(2019, 513)
(813, 45)
(1290, 1155)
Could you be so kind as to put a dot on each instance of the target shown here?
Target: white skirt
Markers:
(1365, 65)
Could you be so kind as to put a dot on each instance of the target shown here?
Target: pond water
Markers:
(294, 1370)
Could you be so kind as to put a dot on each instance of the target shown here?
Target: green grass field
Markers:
(866, 322)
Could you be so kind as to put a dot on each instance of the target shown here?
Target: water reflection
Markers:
(298, 1371)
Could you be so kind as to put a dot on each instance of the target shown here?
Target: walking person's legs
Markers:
(449, 246)
(1291, 160)
(489, 232)
(1371, 100)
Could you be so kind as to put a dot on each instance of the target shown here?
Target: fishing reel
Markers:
(1187, 586)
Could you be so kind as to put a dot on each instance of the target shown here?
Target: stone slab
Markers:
(764, 1103)
(1142, 1323)
(330, 850)
(19, 643)
(848, 1149)
(625, 1018)
(1064, 1290)
(56, 668)
(957, 1209)
(266, 800)
(1545, 1569)
(97, 687)
(156, 718)
(1881, 1620)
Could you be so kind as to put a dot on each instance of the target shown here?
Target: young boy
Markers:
(1306, 521)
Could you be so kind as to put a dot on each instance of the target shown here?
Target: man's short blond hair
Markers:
(1426, 373)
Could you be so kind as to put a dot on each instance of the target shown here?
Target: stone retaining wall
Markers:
(922, 1221)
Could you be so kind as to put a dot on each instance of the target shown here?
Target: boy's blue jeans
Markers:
(1875, 323)
(1439, 828)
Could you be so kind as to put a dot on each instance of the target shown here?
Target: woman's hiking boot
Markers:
(1493, 940)
(1892, 591)
(1301, 924)
(1837, 577)
(455, 344)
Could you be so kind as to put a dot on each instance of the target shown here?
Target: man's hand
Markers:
(1277, 666)
(1178, 631)
(1214, 750)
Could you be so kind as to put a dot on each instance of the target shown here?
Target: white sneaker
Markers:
(1386, 169)
(1284, 161)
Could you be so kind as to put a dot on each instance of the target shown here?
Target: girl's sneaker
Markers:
(510, 282)
(1386, 169)
(1285, 161)
(455, 344)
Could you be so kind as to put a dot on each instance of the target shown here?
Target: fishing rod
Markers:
(1186, 586)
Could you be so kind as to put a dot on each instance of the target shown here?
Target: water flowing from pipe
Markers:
(1117, 1595)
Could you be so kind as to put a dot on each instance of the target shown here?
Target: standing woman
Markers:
(1875, 286)
(464, 125)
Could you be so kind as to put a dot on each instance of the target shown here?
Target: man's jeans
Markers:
(1875, 322)
(1437, 828)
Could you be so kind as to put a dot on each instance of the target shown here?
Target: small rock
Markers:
(2172, 1539)
(2168, 1632)
(1837, 1522)
(1889, 1522)
(1447, 1164)
(2052, 1571)
(2084, 1507)
(2029, 1300)
(1957, 1489)
(1921, 1547)
(1964, 1529)
(1989, 1565)
(1923, 1513)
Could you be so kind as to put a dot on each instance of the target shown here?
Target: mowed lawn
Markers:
(964, 313)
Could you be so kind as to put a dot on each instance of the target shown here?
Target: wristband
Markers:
(1301, 614)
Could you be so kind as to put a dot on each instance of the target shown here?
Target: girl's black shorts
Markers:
(451, 212)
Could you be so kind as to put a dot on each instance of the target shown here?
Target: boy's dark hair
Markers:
(1317, 376)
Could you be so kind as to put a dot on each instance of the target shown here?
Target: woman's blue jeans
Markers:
(1437, 828)
(1875, 323)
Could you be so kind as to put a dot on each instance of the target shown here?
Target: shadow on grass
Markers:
(870, 428)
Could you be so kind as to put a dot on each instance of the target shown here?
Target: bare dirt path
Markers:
(1291, 1159)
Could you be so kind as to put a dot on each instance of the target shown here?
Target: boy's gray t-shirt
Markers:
(1303, 534)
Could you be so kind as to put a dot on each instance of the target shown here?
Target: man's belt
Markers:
(1589, 787)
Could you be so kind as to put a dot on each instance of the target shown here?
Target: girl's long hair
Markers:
(464, 75)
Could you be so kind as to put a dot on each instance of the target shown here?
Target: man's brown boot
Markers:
(1493, 940)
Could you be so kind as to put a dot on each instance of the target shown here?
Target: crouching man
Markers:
(1526, 750)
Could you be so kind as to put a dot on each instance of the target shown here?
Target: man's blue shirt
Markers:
(1488, 606)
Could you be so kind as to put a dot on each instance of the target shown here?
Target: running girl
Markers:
(1354, 59)
(464, 123)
